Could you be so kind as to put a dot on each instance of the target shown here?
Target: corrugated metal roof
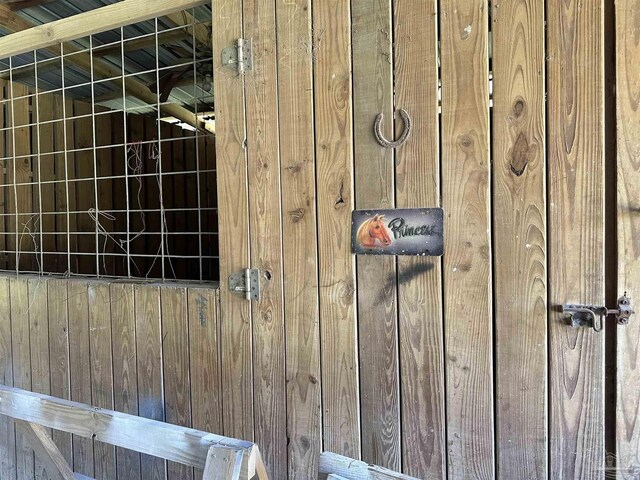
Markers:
(178, 55)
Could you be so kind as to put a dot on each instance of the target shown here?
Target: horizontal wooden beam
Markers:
(200, 31)
(350, 469)
(177, 444)
(163, 38)
(87, 23)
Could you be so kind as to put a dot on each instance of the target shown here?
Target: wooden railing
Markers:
(222, 458)
(336, 467)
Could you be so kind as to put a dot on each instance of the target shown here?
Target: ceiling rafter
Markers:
(20, 4)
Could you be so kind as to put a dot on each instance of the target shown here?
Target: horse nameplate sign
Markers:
(410, 231)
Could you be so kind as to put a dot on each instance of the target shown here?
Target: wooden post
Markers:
(223, 464)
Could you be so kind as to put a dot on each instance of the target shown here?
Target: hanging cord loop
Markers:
(377, 131)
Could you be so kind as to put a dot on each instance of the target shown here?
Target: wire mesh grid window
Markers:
(108, 154)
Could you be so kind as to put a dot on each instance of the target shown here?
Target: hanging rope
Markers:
(377, 131)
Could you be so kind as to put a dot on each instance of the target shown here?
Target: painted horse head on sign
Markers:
(373, 233)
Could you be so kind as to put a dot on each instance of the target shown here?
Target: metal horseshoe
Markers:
(377, 130)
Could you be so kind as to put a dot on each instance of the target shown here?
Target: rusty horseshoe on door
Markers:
(377, 130)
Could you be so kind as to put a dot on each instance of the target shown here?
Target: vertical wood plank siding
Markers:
(337, 280)
(576, 234)
(236, 334)
(519, 212)
(456, 368)
(628, 174)
(467, 261)
(105, 348)
(421, 336)
(300, 252)
(265, 220)
(372, 37)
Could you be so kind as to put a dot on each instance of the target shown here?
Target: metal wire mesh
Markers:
(99, 181)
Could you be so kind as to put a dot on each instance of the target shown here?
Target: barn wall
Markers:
(147, 350)
(460, 367)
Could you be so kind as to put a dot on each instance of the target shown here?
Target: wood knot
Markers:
(348, 290)
(295, 168)
(521, 154)
(465, 141)
(296, 215)
(305, 443)
(518, 107)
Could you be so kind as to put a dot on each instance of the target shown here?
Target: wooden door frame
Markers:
(249, 196)
(233, 219)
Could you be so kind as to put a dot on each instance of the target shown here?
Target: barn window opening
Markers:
(107, 153)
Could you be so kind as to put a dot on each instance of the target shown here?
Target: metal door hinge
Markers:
(593, 315)
(246, 282)
(239, 57)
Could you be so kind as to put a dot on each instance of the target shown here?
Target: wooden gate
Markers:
(463, 367)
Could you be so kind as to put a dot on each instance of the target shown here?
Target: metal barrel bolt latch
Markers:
(593, 315)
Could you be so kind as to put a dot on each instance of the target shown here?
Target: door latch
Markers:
(593, 315)
(246, 283)
(239, 57)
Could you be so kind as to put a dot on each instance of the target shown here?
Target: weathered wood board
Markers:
(576, 235)
(263, 157)
(300, 276)
(519, 209)
(149, 365)
(125, 378)
(421, 335)
(175, 365)
(628, 233)
(374, 188)
(234, 239)
(7, 429)
(467, 264)
(337, 276)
